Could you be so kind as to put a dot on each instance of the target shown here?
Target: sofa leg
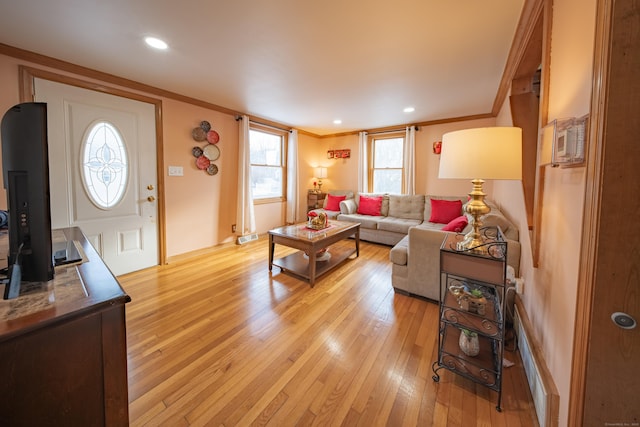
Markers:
(401, 292)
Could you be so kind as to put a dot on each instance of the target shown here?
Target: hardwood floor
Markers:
(217, 340)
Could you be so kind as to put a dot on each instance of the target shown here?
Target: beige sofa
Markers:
(404, 224)
(415, 260)
(398, 214)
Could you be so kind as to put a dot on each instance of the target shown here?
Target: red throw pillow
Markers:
(370, 205)
(443, 211)
(456, 224)
(333, 202)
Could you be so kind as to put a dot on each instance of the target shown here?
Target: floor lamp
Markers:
(479, 154)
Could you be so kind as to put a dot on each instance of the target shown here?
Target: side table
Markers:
(315, 199)
(472, 302)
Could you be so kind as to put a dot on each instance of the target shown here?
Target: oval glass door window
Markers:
(104, 165)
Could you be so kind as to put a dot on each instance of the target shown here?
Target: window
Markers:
(267, 154)
(387, 164)
(104, 165)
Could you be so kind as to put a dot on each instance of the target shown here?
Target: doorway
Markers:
(102, 156)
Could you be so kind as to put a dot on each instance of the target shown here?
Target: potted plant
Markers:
(473, 301)
(469, 343)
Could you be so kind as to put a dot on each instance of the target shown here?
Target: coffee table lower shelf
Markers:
(298, 264)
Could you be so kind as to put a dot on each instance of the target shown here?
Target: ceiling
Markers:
(295, 62)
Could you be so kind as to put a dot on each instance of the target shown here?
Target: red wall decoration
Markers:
(339, 154)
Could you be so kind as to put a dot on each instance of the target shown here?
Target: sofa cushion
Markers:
(457, 225)
(428, 198)
(347, 193)
(431, 225)
(384, 209)
(332, 203)
(366, 221)
(443, 211)
(370, 205)
(406, 206)
(397, 225)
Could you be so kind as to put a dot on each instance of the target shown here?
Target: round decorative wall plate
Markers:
(202, 163)
(205, 125)
(196, 151)
(212, 169)
(213, 137)
(211, 152)
(199, 134)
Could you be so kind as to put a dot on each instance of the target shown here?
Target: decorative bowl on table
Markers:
(322, 255)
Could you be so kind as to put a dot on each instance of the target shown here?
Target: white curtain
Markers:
(245, 217)
(363, 164)
(410, 161)
(292, 178)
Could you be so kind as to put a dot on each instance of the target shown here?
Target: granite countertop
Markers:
(75, 289)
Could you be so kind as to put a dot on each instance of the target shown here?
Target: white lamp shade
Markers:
(482, 153)
(321, 172)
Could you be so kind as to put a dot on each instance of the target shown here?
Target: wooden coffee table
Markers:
(311, 241)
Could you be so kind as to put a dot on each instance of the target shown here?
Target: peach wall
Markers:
(550, 290)
(342, 174)
(200, 208)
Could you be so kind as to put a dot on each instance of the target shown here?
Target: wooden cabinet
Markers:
(63, 349)
(315, 200)
(472, 302)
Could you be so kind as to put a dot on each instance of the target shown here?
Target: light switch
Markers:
(176, 171)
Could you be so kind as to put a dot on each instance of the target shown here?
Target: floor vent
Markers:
(246, 238)
(543, 390)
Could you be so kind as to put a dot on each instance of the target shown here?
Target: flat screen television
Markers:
(25, 171)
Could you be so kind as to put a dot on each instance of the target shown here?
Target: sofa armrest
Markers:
(424, 245)
(423, 261)
(348, 206)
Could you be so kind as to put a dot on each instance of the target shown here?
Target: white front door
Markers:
(102, 168)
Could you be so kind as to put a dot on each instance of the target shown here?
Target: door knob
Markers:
(149, 187)
(623, 320)
(151, 198)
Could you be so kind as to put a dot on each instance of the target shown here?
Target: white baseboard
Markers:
(543, 390)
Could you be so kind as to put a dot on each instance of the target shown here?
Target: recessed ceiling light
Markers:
(156, 43)
(337, 122)
(409, 110)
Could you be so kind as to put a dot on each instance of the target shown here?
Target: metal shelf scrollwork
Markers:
(472, 301)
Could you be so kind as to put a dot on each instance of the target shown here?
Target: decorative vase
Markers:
(469, 343)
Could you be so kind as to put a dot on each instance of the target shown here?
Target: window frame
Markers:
(88, 173)
(284, 139)
(372, 138)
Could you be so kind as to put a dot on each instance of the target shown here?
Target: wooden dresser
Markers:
(63, 349)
